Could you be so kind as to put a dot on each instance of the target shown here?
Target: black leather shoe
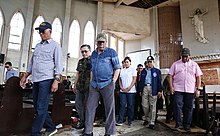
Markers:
(145, 123)
(167, 121)
(84, 134)
(106, 135)
(151, 126)
(80, 126)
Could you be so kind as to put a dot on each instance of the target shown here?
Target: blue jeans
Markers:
(183, 101)
(126, 98)
(41, 99)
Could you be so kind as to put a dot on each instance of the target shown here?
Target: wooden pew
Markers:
(213, 92)
(61, 111)
(207, 108)
(11, 106)
(16, 115)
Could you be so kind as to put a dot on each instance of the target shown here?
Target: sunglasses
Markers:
(41, 31)
(85, 51)
(6, 66)
(149, 61)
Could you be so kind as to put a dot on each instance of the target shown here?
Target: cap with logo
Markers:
(185, 52)
(44, 26)
(101, 37)
(150, 58)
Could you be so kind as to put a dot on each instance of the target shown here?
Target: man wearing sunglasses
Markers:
(81, 83)
(10, 71)
(45, 67)
(150, 88)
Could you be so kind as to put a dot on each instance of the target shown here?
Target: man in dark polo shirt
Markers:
(81, 84)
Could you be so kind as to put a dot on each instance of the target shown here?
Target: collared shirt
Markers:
(84, 68)
(103, 66)
(126, 76)
(148, 78)
(10, 73)
(184, 75)
(46, 61)
(155, 81)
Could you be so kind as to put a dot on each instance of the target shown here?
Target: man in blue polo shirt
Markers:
(150, 87)
(10, 71)
(105, 71)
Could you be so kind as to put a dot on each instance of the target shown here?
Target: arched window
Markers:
(36, 37)
(57, 30)
(16, 31)
(89, 34)
(113, 43)
(1, 23)
(120, 50)
(74, 35)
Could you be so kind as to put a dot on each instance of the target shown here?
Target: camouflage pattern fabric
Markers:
(84, 68)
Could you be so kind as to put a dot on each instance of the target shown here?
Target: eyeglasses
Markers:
(149, 61)
(41, 31)
(84, 51)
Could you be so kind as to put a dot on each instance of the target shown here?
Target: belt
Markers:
(147, 84)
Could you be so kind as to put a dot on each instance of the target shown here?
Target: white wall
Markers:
(49, 9)
(211, 25)
(9, 7)
(149, 42)
(126, 19)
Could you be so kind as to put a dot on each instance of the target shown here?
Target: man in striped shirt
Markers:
(45, 67)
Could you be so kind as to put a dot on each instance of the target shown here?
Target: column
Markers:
(27, 36)
(65, 34)
(99, 17)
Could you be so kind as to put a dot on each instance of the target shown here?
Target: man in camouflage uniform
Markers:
(168, 99)
(81, 83)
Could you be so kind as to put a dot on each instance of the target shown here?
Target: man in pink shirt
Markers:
(185, 79)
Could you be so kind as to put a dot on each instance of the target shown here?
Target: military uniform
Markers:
(84, 68)
(168, 99)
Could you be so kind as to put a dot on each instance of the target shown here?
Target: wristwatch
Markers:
(57, 79)
(199, 88)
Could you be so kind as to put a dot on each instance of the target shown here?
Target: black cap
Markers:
(185, 52)
(150, 58)
(44, 26)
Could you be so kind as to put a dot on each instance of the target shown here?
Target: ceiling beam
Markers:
(148, 2)
(118, 3)
(128, 2)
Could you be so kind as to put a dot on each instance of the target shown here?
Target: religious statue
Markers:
(198, 25)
